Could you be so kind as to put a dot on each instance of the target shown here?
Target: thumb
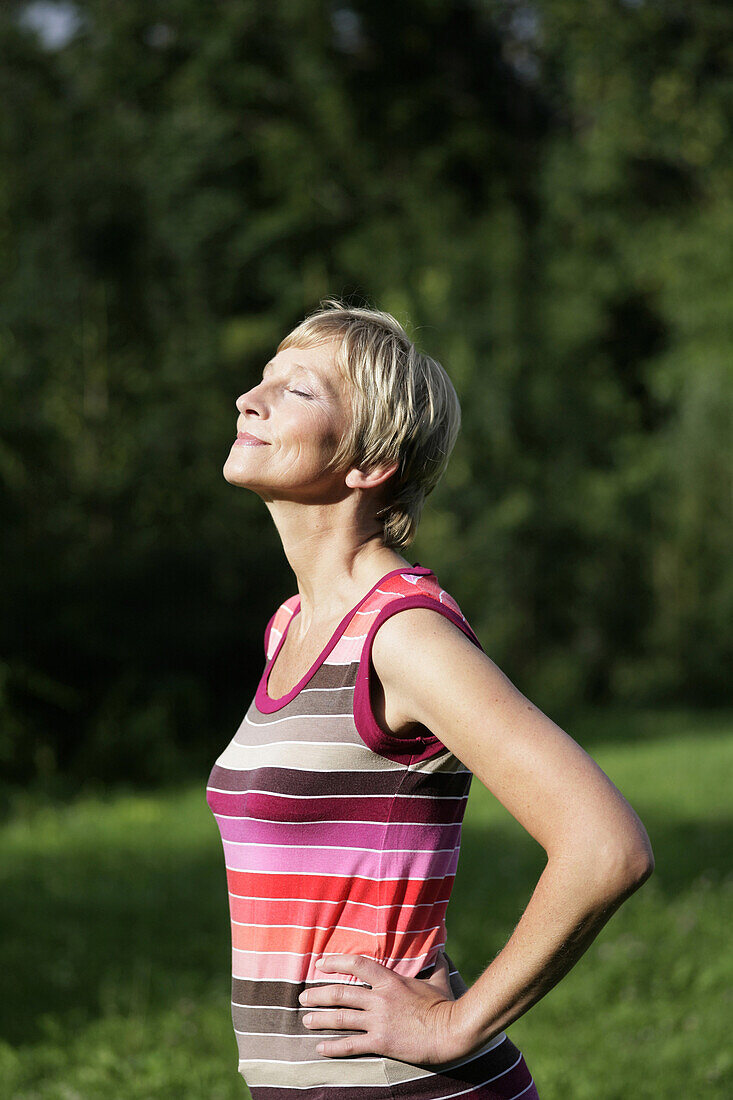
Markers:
(440, 978)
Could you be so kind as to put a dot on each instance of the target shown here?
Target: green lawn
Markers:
(115, 947)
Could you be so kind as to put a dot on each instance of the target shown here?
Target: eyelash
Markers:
(300, 393)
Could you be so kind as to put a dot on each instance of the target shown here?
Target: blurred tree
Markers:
(540, 190)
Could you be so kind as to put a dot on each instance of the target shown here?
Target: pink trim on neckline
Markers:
(263, 702)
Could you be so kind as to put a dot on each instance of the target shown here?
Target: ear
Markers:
(362, 479)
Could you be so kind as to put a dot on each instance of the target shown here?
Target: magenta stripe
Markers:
(397, 835)
(271, 807)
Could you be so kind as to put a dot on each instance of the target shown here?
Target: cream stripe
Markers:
(295, 717)
(302, 741)
(334, 1072)
(443, 762)
(321, 757)
(359, 1071)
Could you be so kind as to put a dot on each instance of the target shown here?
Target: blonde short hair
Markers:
(405, 407)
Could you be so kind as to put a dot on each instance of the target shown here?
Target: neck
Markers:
(335, 563)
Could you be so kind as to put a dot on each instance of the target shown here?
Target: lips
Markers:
(247, 440)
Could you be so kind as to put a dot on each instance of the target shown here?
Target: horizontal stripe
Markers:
(396, 836)
(264, 806)
(489, 1070)
(305, 944)
(329, 821)
(273, 1007)
(339, 939)
(268, 992)
(329, 722)
(300, 781)
(495, 1063)
(354, 861)
(347, 1074)
(309, 731)
(343, 925)
(289, 913)
(305, 755)
(294, 967)
(293, 904)
(401, 891)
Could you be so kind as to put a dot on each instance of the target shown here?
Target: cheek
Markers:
(315, 431)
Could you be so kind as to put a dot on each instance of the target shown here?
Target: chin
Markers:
(232, 474)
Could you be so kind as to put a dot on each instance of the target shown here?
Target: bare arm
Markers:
(598, 852)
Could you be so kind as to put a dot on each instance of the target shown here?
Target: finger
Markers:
(335, 1019)
(440, 966)
(341, 1048)
(440, 978)
(361, 966)
(350, 996)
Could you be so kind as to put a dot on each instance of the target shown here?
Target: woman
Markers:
(341, 796)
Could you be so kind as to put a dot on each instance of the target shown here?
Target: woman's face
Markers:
(297, 416)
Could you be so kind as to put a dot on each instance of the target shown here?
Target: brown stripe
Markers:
(292, 781)
(327, 1092)
(502, 1072)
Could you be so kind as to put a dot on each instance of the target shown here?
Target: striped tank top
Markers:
(340, 838)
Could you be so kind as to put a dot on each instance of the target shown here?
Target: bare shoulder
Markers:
(435, 675)
(420, 643)
(398, 652)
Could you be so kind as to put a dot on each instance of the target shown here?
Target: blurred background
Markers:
(542, 192)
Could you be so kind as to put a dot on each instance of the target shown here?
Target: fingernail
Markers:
(321, 1047)
(308, 1017)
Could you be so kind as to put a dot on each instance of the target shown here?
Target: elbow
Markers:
(622, 867)
(641, 865)
(640, 857)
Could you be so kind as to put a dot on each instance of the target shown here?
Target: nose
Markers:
(251, 402)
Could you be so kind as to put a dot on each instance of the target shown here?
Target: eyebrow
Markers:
(310, 372)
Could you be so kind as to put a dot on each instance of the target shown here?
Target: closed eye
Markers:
(301, 393)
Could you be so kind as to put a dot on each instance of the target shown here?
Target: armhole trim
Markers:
(403, 750)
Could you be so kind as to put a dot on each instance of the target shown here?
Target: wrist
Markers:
(469, 1032)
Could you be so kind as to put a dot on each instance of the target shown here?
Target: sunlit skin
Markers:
(326, 522)
(299, 411)
(427, 671)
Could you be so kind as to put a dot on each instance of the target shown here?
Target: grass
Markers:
(115, 949)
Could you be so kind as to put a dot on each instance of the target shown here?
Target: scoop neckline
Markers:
(263, 701)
